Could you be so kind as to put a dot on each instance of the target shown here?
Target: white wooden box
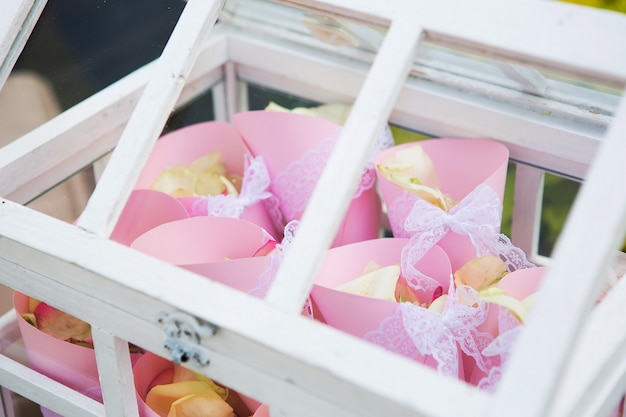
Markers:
(570, 360)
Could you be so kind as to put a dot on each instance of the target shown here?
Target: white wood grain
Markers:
(82, 134)
(115, 373)
(592, 233)
(534, 32)
(17, 21)
(149, 116)
(264, 352)
(595, 380)
(527, 205)
(343, 169)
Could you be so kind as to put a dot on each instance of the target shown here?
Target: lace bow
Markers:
(416, 332)
(256, 181)
(476, 216)
(267, 277)
(499, 349)
(294, 185)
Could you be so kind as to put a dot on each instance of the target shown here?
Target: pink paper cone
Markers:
(152, 370)
(461, 165)
(518, 284)
(68, 363)
(145, 210)
(186, 145)
(242, 274)
(199, 240)
(283, 138)
(359, 315)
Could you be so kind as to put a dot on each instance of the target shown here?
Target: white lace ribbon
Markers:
(415, 331)
(499, 349)
(294, 185)
(476, 216)
(254, 188)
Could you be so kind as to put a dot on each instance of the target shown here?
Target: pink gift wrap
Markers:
(518, 284)
(68, 363)
(461, 165)
(153, 370)
(199, 240)
(360, 316)
(190, 143)
(295, 148)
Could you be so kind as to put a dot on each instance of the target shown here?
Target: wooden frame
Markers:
(277, 356)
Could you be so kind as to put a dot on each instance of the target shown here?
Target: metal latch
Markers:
(184, 336)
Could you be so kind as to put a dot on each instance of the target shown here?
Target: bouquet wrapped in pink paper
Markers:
(208, 168)
(296, 148)
(165, 389)
(509, 301)
(417, 312)
(447, 190)
(59, 346)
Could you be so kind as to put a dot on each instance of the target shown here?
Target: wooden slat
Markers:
(84, 133)
(264, 352)
(17, 21)
(592, 233)
(595, 380)
(534, 32)
(149, 116)
(343, 169)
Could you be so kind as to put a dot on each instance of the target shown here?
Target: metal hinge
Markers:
(184, 336)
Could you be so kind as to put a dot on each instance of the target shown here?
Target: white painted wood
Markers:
(6, 403)
(533, 137)
(84, 133)
(17, 21)
(527, 205)
(115, 373)
(232, 89)
(150, 115)
(340, 177)
(498, 34)
(264, 352)
(593, 231)
(219, 102)
(50, 394)
(302, 368)
(595, 379)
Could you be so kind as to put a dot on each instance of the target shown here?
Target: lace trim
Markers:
(294, 185)
(499, 349)
(267, 277)
(416, 332)
(256, 181)
(476, 216)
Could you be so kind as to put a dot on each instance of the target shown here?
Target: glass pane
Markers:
(82, 47)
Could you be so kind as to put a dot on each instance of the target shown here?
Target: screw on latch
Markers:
(184, 335)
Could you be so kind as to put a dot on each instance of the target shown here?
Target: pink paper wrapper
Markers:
(152, 370)
(145, 210)
(242, 274)
(199, 240)
(518, 284)
(70, 364)
(359, 315)
(186, 145)
(299, 145)
(461, 165)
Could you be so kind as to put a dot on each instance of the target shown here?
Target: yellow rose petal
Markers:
(380, 284)
(161, 397)
(200, 405)
(497, 296)
(481, 273)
